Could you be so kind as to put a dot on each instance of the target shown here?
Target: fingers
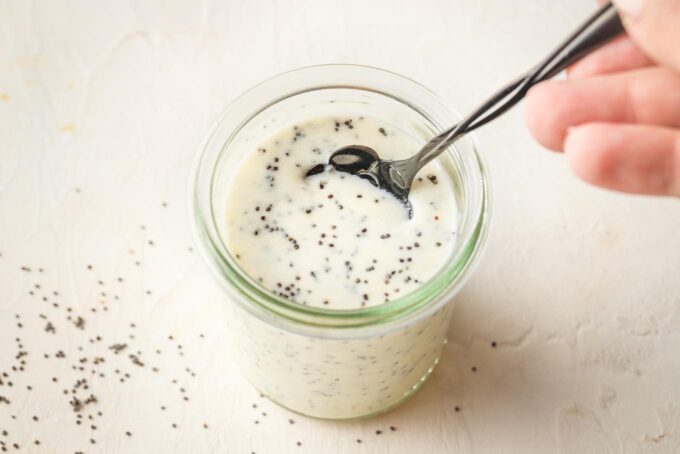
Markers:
(654, 26)
(630, 158)
(619, 55)
(646, 96)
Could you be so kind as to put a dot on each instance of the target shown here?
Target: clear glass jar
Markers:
(330, 363)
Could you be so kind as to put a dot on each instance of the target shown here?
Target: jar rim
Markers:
(263, 303)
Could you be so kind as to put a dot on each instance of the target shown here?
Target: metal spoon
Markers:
(397, 176)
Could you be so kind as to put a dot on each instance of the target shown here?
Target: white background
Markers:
(102, 108)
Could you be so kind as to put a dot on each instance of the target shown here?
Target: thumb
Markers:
(654, 25)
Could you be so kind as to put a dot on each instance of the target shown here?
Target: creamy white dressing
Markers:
(334, 240)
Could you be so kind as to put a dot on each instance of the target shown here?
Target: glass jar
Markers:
(330, 363)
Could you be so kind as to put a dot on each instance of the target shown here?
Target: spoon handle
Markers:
(601, 27)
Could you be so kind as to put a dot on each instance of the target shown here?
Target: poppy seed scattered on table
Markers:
(88, 368)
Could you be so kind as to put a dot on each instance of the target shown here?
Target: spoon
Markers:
(397, 176)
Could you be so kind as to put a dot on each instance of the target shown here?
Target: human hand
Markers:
(617, 116)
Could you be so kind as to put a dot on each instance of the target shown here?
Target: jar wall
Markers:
(337, 378)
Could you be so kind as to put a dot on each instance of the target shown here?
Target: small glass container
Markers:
(329, 363)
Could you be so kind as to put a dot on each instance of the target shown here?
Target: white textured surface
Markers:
(102, 107)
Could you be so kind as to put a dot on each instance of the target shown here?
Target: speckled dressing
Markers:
(338, 378)
(330, 239)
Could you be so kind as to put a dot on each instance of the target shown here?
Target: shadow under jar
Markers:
(330, 362)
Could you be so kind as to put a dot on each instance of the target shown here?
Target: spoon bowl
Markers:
(364, 162)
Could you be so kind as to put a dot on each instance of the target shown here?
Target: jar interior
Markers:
(327, 101)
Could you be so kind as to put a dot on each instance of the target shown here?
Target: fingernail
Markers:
(631, 8)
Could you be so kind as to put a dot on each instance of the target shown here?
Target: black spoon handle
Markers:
(601, 27)
(604, 25)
